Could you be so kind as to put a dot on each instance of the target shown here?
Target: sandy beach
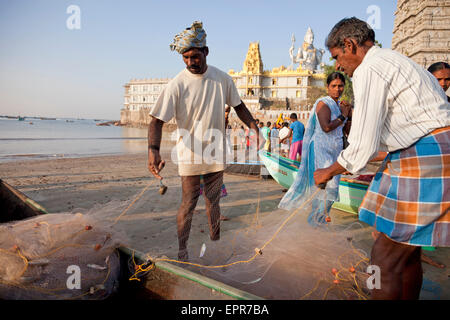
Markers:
(77, 184)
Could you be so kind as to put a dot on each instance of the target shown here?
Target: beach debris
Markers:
(88, 227)
(328, 219)
(96, 266)
(336, 281)
(334, 271)
(202, 250)
(258, 251)
(97, 247)
(352, 270)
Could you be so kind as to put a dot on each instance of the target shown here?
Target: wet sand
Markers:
(69, 185)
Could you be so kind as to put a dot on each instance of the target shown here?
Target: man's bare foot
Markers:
(223, 218)
(430, 261)
(183, 255)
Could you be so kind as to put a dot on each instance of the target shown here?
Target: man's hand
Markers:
(155, 164)
(322, 176)
(326, 174)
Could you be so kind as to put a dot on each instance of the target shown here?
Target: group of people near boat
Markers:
(399, 108)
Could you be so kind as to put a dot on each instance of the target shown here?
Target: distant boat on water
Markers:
(44, 118)
(21, 118)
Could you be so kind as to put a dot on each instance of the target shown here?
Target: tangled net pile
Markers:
(41, 257)
(279, 255)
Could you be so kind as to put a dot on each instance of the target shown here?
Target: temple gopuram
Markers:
(280, 86)
(422, 30)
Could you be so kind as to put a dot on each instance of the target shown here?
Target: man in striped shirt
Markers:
(399, 108)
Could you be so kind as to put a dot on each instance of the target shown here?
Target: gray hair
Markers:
(349, 28)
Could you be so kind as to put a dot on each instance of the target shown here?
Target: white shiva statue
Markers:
(308, 57)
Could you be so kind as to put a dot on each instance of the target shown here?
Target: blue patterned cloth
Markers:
(193, 37)
(320, 150)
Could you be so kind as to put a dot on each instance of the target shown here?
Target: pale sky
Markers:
(47, 69)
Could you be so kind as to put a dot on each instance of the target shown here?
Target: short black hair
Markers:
(293, 116)
(335, 75)
(268, 123)
(438, 66)
(349, 28)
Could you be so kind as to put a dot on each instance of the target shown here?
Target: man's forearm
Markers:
(336, 169)
(245, 116)
(155, 133)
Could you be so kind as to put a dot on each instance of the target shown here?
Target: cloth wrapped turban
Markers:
(193, 37)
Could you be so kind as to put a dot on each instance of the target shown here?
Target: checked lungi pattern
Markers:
(409, 197)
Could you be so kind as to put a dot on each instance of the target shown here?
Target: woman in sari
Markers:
(322, 143)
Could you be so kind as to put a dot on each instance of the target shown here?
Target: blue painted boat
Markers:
(284, 171)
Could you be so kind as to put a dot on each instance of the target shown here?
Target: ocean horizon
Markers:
(44, 138)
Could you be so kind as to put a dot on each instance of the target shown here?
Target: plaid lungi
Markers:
(409, 197)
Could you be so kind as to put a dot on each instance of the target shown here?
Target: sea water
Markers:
(66, 138)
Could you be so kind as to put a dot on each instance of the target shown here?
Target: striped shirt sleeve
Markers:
(370, 111)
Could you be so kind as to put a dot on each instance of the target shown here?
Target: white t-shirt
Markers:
(284, 132)
(197, 101)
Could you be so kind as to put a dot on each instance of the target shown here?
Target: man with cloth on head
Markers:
(197, 98)
(399, 108)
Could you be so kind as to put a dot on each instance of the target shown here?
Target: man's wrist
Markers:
(341, 117)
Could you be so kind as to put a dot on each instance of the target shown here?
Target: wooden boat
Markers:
(284, 171)
(15, 205)
(165, 282)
